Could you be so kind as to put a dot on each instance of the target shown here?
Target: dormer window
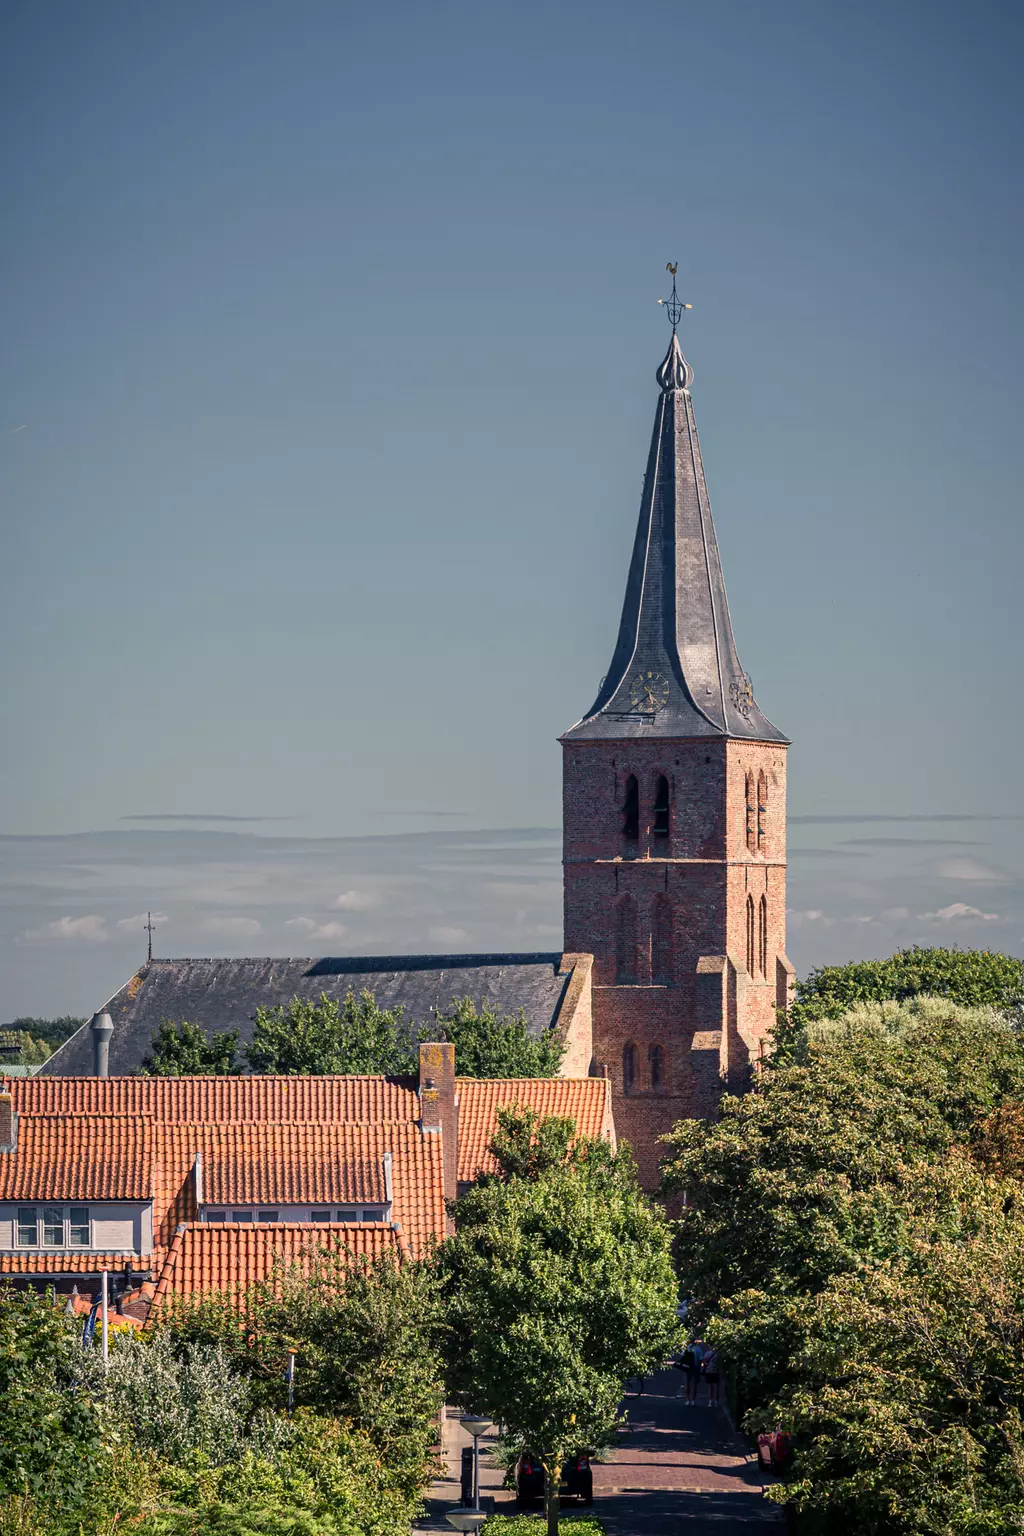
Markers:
(661, 809)
(631, 810)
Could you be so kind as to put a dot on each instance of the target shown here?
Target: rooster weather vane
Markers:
(674, 305)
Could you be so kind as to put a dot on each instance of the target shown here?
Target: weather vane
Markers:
(674, 305)
(149, 926)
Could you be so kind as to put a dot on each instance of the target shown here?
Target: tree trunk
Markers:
(552, 1478)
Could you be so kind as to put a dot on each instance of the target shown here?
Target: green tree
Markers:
(185, 1050)
(558, 1286)
(53, 1031)
(365, 1339)
(491, 1045)
(49, 1431)
(855, 1160)
(969, 976)
(327, 1036)
(356, 1035)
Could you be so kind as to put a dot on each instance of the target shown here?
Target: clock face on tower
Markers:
(648, 691)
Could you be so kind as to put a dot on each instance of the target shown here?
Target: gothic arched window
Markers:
(751, 815)
(661, 940)
(762, 936)
(662, 810)
(656, 1067)
(628, 1067)
(751, 951)
(631, 810)
(625, 940)
(762, 811)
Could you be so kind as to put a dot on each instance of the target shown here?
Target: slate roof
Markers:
(207, 1256)
(80, 1157)
(675, 635)
(224, 994)
(587, 1100)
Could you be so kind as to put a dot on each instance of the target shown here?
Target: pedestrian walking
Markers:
(698, 1349)
(713, 1376)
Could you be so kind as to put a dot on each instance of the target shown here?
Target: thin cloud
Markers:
(233, 927)
(912, 842)
(961, 868)
(439, 814)
(829, 821)
(357, 901)
(448, 935)
(90, 929)
(139, 921)
(201, 816)
(322, 932)
(958, 911)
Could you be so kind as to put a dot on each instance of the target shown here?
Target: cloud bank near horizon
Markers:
(73, 907)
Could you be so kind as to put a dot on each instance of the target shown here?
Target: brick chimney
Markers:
(8, 1124)
(439, 1108)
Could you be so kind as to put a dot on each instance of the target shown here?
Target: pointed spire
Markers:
(675, 671)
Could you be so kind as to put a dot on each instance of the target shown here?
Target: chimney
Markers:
(102, 1027)
(439, 1108)
(8, 1124)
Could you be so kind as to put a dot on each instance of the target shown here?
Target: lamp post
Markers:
(466, 1519)
(475, 1427)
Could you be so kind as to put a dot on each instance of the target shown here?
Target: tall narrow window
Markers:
(762, 936)
(625, 940)
(661, 940)
(662, 806)
(751, 815)
(53, 1226)
(628, 1068)
(656, 1067)
(631, 810)
(79, 1228)
(762, 811)
(751, 951)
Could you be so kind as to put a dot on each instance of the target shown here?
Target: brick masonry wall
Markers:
(684, 897)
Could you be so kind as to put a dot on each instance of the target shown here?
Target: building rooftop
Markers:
(224, 994)
(675, 671)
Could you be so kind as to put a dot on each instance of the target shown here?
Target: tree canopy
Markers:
(184, 1050)
(827, 1215)
(356, 1035)
(970, 976)
(558, 1285)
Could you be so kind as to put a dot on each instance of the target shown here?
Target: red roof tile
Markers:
(79, 1157)
(25, 1263)
(586, 1100)
(221, 1099)
(228, 1257)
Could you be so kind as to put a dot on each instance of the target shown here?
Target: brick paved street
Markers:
(677, 1469)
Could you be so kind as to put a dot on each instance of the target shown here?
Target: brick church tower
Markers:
(675, 817)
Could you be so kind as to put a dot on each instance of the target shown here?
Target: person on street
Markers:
(713, 1376)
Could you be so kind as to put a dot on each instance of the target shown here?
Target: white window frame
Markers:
(41, 1224)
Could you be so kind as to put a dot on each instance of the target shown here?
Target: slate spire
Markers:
(675, 671)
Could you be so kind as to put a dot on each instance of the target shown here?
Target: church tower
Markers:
(674, 817)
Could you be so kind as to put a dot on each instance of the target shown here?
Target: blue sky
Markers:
(327, 378)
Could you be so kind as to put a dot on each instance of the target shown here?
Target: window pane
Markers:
(53, 1226)
(216, 1215)
(348, 1214)
(28, 1227)
(241, 1215)
(79, 1231)
(320, 1216)
(267, 1216)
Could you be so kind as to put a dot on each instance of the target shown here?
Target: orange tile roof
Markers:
(25, 1263)
(228, 1257)
(220, 1099)
(586, 1100)
(304, 1164)
(79, 1157)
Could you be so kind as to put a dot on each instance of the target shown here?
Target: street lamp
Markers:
(466, 1519)
(475, 1427)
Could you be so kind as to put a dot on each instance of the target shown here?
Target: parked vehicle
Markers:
(577, 1480)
